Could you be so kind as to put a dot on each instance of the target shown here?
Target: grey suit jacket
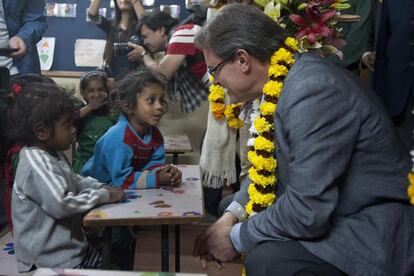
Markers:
(342, 175)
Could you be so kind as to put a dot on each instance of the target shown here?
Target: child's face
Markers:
(149, 108)
(93, 91)
(64, 134)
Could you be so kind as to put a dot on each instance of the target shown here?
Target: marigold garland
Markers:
(262, 145)
(220, 111)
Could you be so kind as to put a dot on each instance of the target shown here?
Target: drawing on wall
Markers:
(61, 10)
(173, 10)
(46, 50)
(89, 52)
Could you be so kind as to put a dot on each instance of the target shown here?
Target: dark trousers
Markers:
(286, 258)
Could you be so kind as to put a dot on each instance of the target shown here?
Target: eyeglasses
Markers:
(216, 69)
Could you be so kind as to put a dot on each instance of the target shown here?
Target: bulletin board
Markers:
(67, 28)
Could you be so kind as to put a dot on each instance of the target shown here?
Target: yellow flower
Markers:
(261, 179)
(292, 43)
(262, 163)
(249, 208)
(235, 123)
(262, 125)
(261, 143)
(278, 70)
(216, 93)
(282, 55)
(410, 190)
(273, 88)
(259, 198)
(267, 108)
(218, 110)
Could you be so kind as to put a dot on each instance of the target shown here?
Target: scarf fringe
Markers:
(210, 180)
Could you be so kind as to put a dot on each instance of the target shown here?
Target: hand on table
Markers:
(170, 175)
(214, 244)
(116, 194)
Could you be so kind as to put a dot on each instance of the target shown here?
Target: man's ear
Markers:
(162, 31)
(41, 132)
(244, 60)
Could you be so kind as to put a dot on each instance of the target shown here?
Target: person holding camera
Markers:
(183, 64)
(119, 32)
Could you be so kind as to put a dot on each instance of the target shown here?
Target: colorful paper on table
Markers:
(8, 262)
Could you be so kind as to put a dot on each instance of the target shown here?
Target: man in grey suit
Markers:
(341, 203)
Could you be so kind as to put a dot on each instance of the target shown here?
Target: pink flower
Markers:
(313, 25)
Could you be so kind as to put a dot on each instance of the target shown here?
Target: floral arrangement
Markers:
(314, 23)
(262, 146)
(410, 190)
(220, 111)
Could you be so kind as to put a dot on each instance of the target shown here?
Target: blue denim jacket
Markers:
(26, 19)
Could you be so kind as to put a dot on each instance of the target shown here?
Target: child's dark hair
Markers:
(133, 83)
(90, 76)
(18, 84)
(39, 103)
(28, 79)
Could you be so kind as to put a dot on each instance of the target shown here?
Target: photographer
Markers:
(183, 64)
(119, 33)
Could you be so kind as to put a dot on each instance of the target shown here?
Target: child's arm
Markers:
(46, 182)
(94, 104)
(118, 162)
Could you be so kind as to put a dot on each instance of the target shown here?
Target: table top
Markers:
(177, 143)
(8, 261)
(167, 205)
(90, 272)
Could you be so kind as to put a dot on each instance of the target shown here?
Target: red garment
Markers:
(182, 43)
(9, 169)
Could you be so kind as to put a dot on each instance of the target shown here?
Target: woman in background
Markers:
(120, 30)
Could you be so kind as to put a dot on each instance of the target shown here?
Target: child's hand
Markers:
(165, 176)
(170, 175)
(116, 195)
(176, 175)
(96, 102)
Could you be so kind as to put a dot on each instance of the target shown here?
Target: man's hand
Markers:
(368, 60)
(136, 53)
(215, 243)
(17, 42)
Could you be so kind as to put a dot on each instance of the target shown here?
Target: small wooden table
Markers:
(91, 272)
(177, 144)
(169, 205)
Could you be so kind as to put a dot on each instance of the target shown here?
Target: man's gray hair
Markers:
(241, 26)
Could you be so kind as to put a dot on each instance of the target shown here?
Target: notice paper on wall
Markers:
(46, 50)
(89, 52)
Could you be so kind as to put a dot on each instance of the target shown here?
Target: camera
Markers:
(122, 48)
